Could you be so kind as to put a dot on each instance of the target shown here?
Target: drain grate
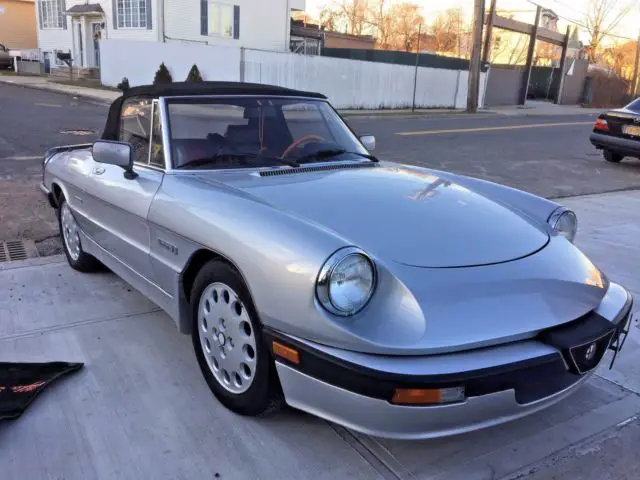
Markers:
(78, 131)
(13, 250)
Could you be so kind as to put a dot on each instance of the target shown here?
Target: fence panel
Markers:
(349, 84)
(139, 61)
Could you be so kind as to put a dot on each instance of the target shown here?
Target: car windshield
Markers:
(257, 132)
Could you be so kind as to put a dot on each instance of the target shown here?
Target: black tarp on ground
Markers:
(20, 384)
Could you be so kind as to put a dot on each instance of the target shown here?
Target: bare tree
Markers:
(406, 25)
(382, 24)
(347, 16)
(447, 31)
(329, 18)
(602, 18)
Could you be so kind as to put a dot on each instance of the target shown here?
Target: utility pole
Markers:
(563, 63)
(473, 88)
(486, 52)
(415, 74)
(634, 85)
(532, 50)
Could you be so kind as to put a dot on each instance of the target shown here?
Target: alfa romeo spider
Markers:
(398, 301)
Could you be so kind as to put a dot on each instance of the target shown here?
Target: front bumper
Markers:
(620, 145)
(501, 383)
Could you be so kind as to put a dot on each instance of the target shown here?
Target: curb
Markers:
(33, 262)
(46, 88)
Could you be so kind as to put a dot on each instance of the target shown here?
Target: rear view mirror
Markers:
(369, 142)
(119, 154)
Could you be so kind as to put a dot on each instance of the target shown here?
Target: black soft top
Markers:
(200, 88)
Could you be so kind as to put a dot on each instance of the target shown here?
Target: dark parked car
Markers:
(617, 132)
(6, 60)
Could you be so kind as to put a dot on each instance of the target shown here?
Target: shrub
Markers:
(124, 84)
(163, 75)
(194, 74)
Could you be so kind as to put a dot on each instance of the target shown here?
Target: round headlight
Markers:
(564, 222)
(346, 282)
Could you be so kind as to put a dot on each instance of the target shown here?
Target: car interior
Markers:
(265, 132)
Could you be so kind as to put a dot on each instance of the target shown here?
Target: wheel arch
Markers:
(187, 277)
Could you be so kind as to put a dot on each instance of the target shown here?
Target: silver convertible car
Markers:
(397, 301)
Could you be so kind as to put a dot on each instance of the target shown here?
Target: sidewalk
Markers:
(44, 83)
(140, 409)
(533, 108)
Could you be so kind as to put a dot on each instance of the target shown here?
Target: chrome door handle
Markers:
(98, 170)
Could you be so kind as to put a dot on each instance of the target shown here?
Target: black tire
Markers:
(84, 262)
(264, 395)
(612, 157)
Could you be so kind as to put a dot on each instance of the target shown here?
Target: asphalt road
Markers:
(549, 156)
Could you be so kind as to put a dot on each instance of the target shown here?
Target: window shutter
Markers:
(236, 21)
(40, 15)
(114, 9)
(204, 17)
(149, 16)
(62, 6)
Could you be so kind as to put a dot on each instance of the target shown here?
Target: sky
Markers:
(571, 9)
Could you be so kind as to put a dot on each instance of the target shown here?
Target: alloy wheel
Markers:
(227, 338)
(70, 232)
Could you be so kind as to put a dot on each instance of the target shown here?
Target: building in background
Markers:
(311, 38)
(18, 24)
(77, 26)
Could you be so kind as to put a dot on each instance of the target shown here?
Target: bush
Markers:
(124, 84)
(163, 75)
(194, 75)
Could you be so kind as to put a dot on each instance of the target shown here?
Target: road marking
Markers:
(32, 157)
(489, 129)
(47, 105)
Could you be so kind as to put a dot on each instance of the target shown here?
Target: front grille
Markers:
(293, 171)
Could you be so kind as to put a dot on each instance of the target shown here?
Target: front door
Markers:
(117, 207)
(96, 31)
(78, 32)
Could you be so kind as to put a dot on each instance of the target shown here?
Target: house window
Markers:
(221, 19)
(132, 13)
(51, 14)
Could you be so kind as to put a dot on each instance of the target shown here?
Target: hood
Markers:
(401, 214)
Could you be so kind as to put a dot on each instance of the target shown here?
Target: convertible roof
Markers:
(194, 88)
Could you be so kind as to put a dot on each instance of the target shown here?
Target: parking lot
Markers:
(140, 409)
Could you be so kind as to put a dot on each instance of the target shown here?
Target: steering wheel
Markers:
(300, 142)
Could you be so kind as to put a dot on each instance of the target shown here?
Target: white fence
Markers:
(347, 83)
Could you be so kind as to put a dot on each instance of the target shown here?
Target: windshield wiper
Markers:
(198, 162)
(332, 152)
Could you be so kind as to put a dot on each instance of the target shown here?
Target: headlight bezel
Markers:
(323, 281)
(557, 215)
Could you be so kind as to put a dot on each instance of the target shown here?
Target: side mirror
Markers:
(119, 154)
(369, 142)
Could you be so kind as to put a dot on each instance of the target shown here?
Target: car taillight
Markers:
(601, 124)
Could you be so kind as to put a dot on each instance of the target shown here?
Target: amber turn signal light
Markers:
(285, 352)
(429, 396)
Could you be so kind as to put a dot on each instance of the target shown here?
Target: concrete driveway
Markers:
(140, 409)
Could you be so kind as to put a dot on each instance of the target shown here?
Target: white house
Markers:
(76, 26)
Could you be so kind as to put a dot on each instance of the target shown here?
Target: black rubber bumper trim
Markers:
(616, 144)
(531, 379)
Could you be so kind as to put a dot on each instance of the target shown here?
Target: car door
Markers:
(119, 206)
